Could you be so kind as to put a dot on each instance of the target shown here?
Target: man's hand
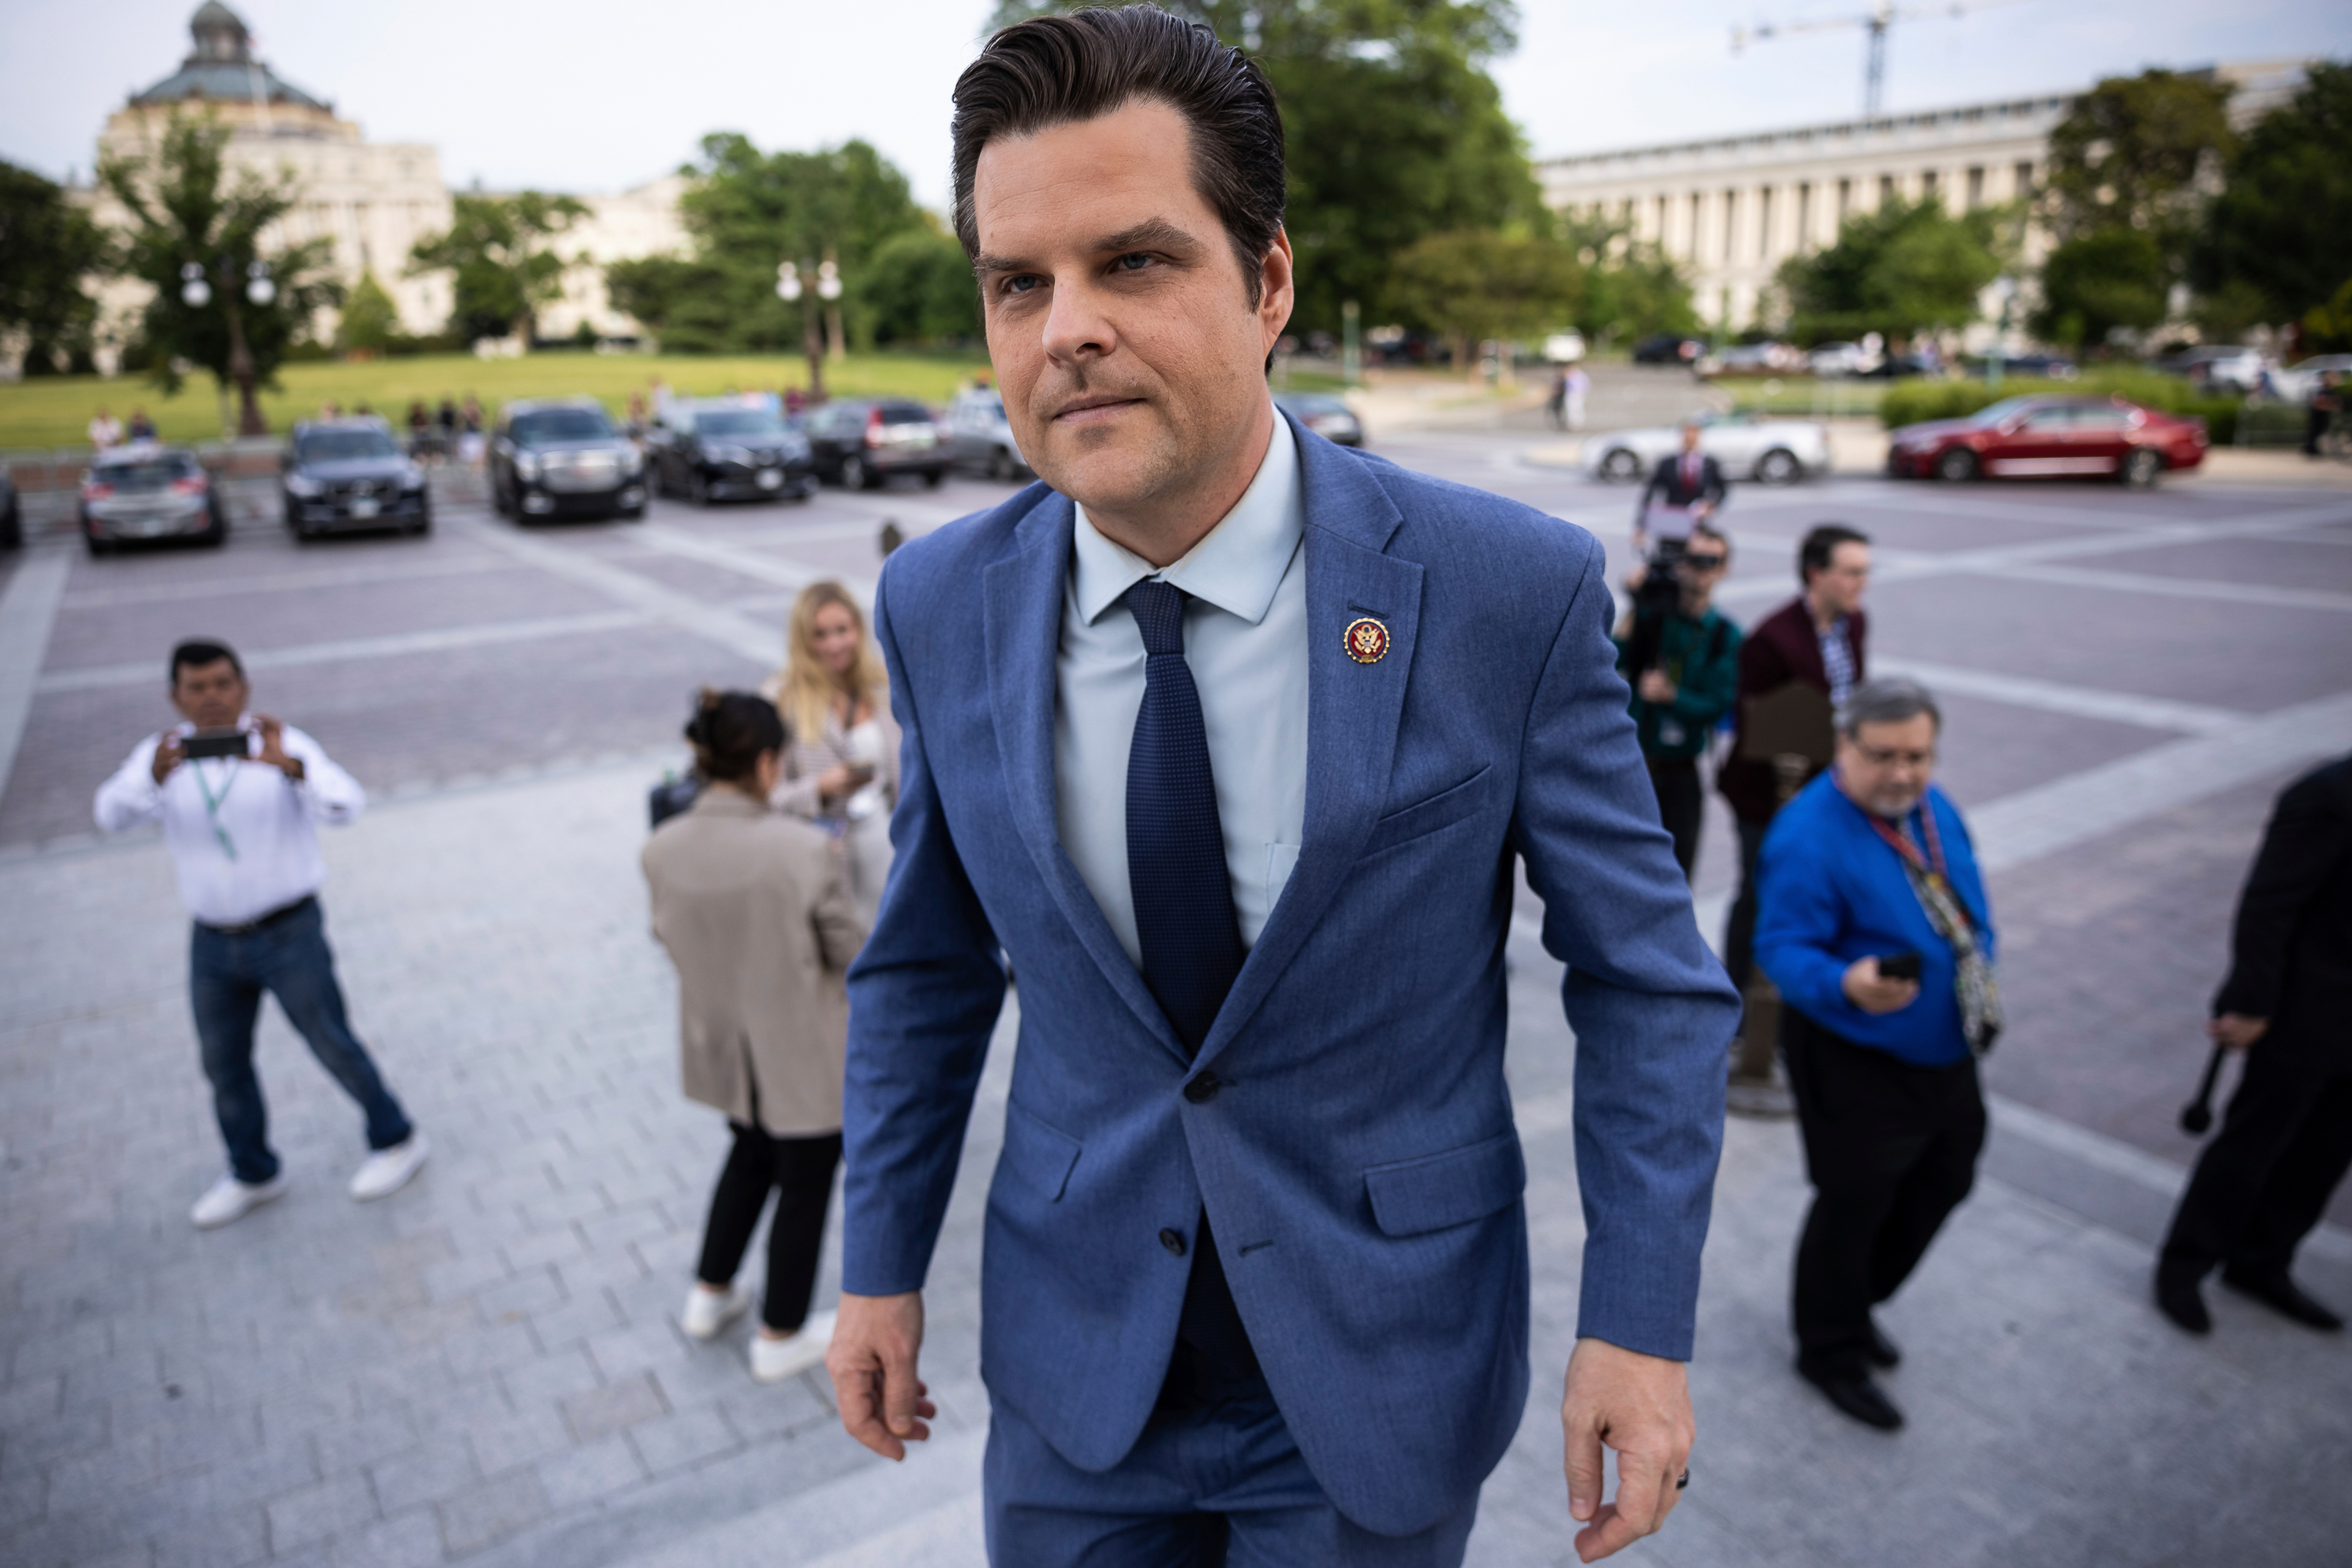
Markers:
(1640, 1405)
(169, 754)
(1656, 688)
(2235, 1031)
(1866, 990)
(875, 1341)
(273, 747)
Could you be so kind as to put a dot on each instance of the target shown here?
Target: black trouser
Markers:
(801, 1168)
(1682, 805)
(1892, 1150)
(1739, 930)
(2314, 426)
(2265, 1179)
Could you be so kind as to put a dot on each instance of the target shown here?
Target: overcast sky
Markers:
(597, 95)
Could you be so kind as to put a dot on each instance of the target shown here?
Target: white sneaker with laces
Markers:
(707, 1311)
(387, 1171)
(772, 1360)
(230, 1199)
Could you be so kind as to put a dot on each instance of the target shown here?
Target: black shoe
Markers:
(2177, 1298)
(2282, 1296)
(1855, 1394)
(1882, 1354)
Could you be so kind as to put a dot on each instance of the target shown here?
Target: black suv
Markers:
(564, 457)
(709, 451)
(861, 441)
(340, 474)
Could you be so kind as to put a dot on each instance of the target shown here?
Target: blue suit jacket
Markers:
(1360, 1166)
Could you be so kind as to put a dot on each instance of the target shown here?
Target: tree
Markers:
(683, 302)
(2281, 230)
(503, 268)
(1905, 268)
(195, 237)
(51, 245)
(1478, 284)
(370, 320)
(1393, 130)
(2092, 286)
(919, 285)
(2137, 153)
(1632, 288)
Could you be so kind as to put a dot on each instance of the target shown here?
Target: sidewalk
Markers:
(483, 1368)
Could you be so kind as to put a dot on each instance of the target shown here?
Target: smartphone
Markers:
(1899, 966)
(216, 743)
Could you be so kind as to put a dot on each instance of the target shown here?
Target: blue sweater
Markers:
(1831, 891)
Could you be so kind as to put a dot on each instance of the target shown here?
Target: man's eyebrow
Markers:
(1152, 234)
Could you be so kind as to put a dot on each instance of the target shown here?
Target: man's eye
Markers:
(1023, 284)
(1135, 263)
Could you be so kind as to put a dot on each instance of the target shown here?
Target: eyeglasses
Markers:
(1879, 757)
(1703, 562)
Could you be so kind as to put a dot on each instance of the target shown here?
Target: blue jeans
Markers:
(290, 959)
(1216, 1486)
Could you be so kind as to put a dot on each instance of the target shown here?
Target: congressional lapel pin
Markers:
(1367, 640)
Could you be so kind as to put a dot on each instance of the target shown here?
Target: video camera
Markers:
(1660, 591)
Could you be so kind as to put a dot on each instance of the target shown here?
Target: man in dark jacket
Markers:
(1682, 659)
(1684, 490)
(2286, 1139)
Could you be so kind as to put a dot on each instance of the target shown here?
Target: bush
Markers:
(1911, 402)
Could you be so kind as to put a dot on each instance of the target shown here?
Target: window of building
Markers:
(1698, 210)
(1730, 221)
(1976, 188)
(1885, 189)
(2024, 181)
(1804, 216)
(1764, 223)
(1661, 235)
(1845, 200)
(1928, 184)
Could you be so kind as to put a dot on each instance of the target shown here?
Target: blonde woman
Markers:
(841, 757)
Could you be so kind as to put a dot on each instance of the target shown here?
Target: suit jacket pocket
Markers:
(1442, 809)
(1414, 1196)
(1043, 1157)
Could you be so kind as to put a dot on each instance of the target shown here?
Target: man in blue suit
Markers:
(1229, 738)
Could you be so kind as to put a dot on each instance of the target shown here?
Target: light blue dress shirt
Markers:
(1246, 640)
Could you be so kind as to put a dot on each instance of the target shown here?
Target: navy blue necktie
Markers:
(1184, 919)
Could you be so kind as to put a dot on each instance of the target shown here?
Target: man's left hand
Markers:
(1656, 688)
(1640, 1405)
(273, 747)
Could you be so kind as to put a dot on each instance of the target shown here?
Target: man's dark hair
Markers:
(1821, 544)
(1055, 71)
(729, 732)
(197, 653)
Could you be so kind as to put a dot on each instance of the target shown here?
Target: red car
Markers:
(2049, 437)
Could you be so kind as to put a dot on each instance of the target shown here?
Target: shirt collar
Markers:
(1236, 566)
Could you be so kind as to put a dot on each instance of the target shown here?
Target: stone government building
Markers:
(375, 200)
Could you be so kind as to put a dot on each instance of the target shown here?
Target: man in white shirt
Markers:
(242, 831)
(105, 430)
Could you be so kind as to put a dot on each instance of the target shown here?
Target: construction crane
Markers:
(1875, 21)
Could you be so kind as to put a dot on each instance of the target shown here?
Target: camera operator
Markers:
(239, 794)
(1682, 659)
(1684, 491)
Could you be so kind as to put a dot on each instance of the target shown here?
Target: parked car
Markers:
(2049, 437)
(2048, 367)
(12, 511)
(1747, 446)
(1752, 359)
(860, 442)
(564, 457)
(144, 491)
(1896, 367)
(713, 450)
(340, 474)
(1327, 416)
(1839, 359)
(2298, 382)
(980, 437)
(1668, 348)
(2217, 367)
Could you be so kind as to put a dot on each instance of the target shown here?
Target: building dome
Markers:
(222, 69)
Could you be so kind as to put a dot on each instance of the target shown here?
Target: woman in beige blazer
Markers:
(754, 908)
(841, 767)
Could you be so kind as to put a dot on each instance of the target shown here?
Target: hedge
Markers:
(1910, 401)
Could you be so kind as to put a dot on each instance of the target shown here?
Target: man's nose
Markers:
(1076, 327)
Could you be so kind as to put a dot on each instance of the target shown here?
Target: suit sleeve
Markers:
(2307, 841)
(1657, 482)
(1799, 913)
(924, 995)
(1711, 482)
(1649, 1006)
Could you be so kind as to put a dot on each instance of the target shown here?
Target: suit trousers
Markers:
(1739, 926)
(1206, 1486)
(1682, 805)
(1892, 1150)
(2265, 1179)
(800, 1171)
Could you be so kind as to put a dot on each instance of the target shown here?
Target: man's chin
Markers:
(1101, 475)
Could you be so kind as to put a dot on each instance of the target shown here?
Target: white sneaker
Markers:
(230, 1199)
(387, 1171)
(772, 1360)
(707, 1311)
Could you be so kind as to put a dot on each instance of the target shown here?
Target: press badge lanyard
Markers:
(213, 803)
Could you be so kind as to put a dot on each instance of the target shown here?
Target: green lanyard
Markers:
(213, 804)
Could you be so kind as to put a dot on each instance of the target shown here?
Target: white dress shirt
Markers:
(1245, 641)
(242, 834)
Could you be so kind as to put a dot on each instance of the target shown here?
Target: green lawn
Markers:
(1801, 396)
(54, 411)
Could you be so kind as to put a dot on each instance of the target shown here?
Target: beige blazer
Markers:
(754, 908)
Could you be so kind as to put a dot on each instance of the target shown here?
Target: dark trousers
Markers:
(1892, 1150)
(287, 957)
(1739, 927)
(2265, 1179)
(1682, 806)
(800, 1170)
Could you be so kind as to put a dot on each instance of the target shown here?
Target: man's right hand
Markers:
(2235, 1031)
(1871, 992)
(875, 1341)
(169, 754)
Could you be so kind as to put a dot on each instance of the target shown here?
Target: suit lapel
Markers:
(1023, 627)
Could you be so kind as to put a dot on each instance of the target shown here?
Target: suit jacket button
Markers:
(1173, 1240)
(1203, 1089)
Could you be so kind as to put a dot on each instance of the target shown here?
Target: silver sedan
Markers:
(1745, 445)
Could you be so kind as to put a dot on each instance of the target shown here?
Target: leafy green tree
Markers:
(1476, 284)
(187, 212)
(682, 301)
(2099, 282)
(919, 285)
(51, 245)
(370, 320)
(2281, 230)
(502, 266)
(2137, 153)
(1632, 288)
(1393, 130)
(1906, 268)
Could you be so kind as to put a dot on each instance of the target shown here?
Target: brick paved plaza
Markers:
(483, 1368)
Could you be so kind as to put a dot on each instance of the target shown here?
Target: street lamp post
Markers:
(789, 288)
(2005, 289)
(196, 292)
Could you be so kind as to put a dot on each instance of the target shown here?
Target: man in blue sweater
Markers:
(1875, 925)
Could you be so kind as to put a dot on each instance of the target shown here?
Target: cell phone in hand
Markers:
(1899, 966)
(215, 744)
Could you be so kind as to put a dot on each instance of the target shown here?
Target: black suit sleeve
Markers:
(1711, 479)
(2307, 842)
(1661, 479)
